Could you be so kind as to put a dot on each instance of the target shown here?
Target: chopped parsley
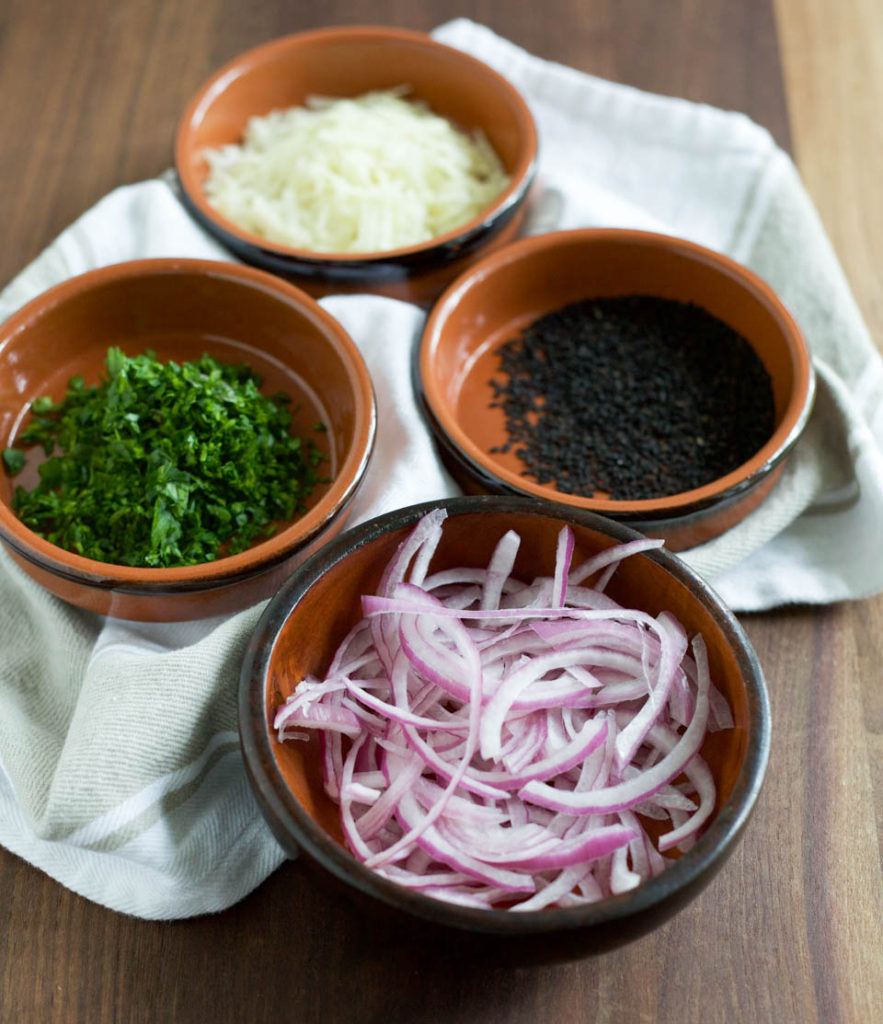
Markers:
(163, 464)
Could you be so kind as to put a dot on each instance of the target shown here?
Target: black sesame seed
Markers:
(636, 397)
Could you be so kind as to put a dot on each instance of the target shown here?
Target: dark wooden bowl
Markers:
(304, 623)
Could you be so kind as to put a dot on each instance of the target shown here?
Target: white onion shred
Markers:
(367, 174)
(503, 745)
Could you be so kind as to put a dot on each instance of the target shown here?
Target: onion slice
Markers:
(501, 744)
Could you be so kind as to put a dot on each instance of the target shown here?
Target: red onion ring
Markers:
(498, 744)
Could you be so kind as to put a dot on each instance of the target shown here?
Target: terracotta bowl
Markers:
(349, 61)
(180, 309)
(303, 625)
(502, 294)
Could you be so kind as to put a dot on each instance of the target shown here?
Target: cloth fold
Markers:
(120, 770)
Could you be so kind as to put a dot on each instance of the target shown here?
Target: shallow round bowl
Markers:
(497, 298)
(303, 625)
(181, 309)
(349, 61)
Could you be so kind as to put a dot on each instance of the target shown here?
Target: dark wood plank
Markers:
(92, 90)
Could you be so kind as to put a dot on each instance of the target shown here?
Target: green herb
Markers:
(13, 460)
(164, 464)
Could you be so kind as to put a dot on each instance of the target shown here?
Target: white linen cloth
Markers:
(120, 770)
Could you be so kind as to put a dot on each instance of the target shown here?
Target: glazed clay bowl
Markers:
(344, 62)
(496, 299)
(305, 622)
(181, 309)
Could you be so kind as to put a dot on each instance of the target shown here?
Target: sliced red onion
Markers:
(626, 794)
(329, 717)
(357, 793)
(700, 776)
(562, 567)
(422, 539)
(512, 687)
(673, 645)
(428, 838)
(612, 556)
(555, 891)
(373, 820)
(424, 824)
(499, 569)
(622, 878)
(448, 724)
(557, 853)
(495, 743)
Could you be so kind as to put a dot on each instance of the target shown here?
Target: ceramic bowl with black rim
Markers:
(661, 383)
(294, 645)
(348, 62)
(175, 311)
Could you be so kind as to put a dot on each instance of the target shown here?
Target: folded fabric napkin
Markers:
(120, 770)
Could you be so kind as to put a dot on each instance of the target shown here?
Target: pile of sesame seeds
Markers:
(633, 398)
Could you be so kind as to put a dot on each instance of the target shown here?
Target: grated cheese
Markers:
(369, 174)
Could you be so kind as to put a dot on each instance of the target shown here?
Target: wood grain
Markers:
(789, 931)
(833, 65)
(833, 68)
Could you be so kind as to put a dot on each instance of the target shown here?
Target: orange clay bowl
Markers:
(302, 627)
(181, 309)
(349, 61)
(505, 292)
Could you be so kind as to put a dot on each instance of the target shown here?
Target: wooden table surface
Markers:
(790, 931)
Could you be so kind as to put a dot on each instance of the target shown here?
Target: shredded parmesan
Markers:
(369, 174)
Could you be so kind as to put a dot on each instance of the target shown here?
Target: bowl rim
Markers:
(648, 521)
(725, 488)
(458, 238)
(694, 868)
(260, 557)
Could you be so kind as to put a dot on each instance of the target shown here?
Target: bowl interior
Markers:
(327, 605)
(507, 291)
(180, 310)
(341, 63)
